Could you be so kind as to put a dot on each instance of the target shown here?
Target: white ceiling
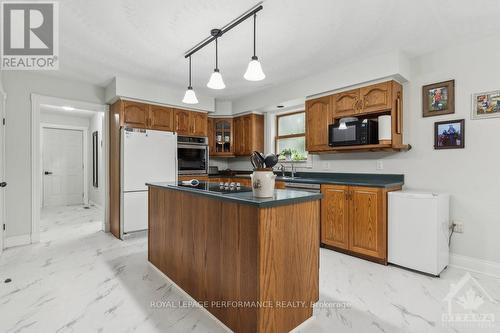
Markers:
(147, 39)
(59, 110)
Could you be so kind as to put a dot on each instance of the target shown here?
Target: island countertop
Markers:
(280, 197)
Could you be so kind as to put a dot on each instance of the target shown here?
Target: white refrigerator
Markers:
(419, 231)
(146, 156)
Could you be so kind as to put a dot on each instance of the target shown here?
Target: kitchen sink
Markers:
(288, 177)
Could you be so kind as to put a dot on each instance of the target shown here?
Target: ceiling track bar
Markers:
(249, 13)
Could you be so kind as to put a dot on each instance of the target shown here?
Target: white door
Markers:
(62, 161)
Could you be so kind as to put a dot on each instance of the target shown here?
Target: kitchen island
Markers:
(253, 263)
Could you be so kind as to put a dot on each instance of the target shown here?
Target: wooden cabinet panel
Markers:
(367, 234)
(199, 123)
(211, 136)
(248, 134)
(335, 216)
(279, 185)
(161, 118)
(134, 114)
(182, 121)
(377, 97)
(346, 103)
(318, 117)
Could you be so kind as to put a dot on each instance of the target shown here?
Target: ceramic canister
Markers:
(263, 183)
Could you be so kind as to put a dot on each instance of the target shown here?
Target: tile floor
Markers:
(79, 279)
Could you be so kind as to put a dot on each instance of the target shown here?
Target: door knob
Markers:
(47, 173)
(3, 184)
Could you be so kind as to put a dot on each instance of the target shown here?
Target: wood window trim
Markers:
(288, 136)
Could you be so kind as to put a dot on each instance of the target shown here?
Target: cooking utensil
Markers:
(256, 160)
(270, 160)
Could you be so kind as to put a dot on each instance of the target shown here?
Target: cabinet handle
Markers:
(398, 114)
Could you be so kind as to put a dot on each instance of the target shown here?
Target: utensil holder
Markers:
(263, 181)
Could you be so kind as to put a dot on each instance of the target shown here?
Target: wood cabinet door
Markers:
(211, 135)
(199, 123)
(135, 114)
(318, 117)
(246, 124)
(367, 226)
(377, 97)
(238, 130)
(161, 118)
(335, 216)
(182, 121)
(346, 103)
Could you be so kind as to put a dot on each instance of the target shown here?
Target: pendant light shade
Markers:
(216, 81)
(190, 96)
(254, 70)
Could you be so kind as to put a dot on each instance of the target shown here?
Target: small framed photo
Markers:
(449, 134)
(486, 105)
(438, 99)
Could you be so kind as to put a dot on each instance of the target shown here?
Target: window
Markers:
(291, 136)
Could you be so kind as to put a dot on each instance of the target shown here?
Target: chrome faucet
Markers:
(293, 170)
(282, 169)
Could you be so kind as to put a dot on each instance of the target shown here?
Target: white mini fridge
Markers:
(418, 231)
(146, 156)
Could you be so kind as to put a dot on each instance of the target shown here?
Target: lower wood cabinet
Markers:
(354, 219)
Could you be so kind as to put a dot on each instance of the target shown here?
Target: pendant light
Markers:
(254, 70)
(190, 96)
(216, 81)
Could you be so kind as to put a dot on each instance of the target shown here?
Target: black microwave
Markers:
(353, 133)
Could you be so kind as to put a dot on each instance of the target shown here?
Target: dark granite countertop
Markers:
(355, 179)
(281, 197)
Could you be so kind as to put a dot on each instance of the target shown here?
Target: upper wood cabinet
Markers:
(199, 123)
(354, 219)
(221, 138)
(190, 123)
(346, 103)
(134, 114)
(248, 134)
(383, 98)
(318, 117)
(377, 97)
(182, 122)
(211, 136)
(161, 118)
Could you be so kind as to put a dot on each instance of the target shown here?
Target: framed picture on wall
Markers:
(486, 105)
(95, 159)
(449, 134)
(438, 99)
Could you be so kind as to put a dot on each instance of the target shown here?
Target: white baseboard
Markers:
(475, 265)
(17, 241)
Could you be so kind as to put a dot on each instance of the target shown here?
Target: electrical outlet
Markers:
(459, 227)
(380, 165)
(326, 165)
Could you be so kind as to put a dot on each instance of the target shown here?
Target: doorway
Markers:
(69, 165)
(64, 150)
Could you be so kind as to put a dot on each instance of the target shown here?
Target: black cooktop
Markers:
(217, 187)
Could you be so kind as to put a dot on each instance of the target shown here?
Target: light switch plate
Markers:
(380, 165)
